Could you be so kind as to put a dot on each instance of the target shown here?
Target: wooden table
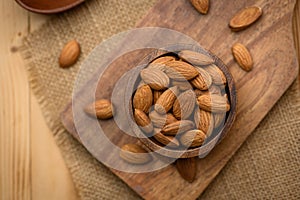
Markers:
(31, 166)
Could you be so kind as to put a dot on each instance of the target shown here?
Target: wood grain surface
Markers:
(25, 139)
(25, 172)
(275, 68)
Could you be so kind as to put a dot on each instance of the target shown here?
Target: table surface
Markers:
(25, 139)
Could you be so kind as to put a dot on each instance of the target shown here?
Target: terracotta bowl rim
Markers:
(49, 11)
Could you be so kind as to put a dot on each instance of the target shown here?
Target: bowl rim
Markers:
(203, 150)
(49, 11)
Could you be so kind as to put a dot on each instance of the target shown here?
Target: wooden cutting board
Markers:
(271, 44)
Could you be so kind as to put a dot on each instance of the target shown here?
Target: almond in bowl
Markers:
(188, 102)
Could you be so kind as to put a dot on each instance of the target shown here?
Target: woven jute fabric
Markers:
(267, 166)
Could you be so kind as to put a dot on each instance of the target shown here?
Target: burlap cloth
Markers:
(266, 166)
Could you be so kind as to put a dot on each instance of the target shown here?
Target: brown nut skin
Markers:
(69, 54)
(134, 154)
(102, 109)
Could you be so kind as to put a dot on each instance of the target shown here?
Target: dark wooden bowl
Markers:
(47, 6)
(215, 138)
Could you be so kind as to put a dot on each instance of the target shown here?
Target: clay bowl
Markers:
(47, 6)
(215, 137)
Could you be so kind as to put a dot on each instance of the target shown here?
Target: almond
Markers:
(155, 78)
(184, 105)
(187, 168)
(180, 70)
(213, 103)
(158, 66)
(166, 100)
(134, 154)
(193, 138)
(182, 85)
(216, 74)
(195, 58)
(143, 98)
(143, 121)
(177, 127)
(159, 120)
(204, 121)
(219, 119)
(215, 89)
(156, 95)
(245, 18)
(203, 81)
(166, 140)
(200, 92)
(242, 56)
(102, 109)
(170, 119)
(201, 6)
(69, 54)
(164, 59)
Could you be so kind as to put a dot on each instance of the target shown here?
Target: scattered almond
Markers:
(245, 18)
(102, 109)
(187, 168)
(134, 154)
(69, 54)
(242, 56)
(201, 6)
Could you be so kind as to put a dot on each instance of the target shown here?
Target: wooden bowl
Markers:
(47, 6)
(215, 138)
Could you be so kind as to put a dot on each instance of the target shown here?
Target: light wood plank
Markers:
(25, 171)
(15, 168)
(50, 177)
(37, 20)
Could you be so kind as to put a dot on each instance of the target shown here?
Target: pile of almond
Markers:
(181, 99)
